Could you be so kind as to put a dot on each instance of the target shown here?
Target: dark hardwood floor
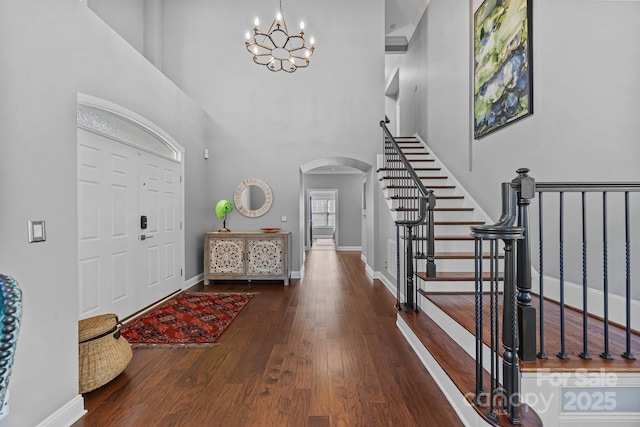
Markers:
(324, 351)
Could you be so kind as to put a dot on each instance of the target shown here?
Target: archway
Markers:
(351, 169)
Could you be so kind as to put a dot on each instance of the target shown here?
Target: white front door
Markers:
(107, 232)
(160, 203)
(118, 271)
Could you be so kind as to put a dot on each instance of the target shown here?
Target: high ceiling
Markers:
(402, 18)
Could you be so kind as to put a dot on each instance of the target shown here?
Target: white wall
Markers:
(586, 103)
(126, 17)
(49, 52)
(38, 181)
(585, 96)
(119, 73)
(268, 124)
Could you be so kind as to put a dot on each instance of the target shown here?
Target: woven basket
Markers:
(103, 352)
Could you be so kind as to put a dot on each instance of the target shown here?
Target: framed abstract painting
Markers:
(502, 72)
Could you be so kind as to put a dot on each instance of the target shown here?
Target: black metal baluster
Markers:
(398, 276)
(585, 352)
(494, 259)
(410, 302)
(541, 354)
(562, 354)
(511, 372)
(627, 354)
(493, 327)
(605, 273)
(478, 306)
(431, 260)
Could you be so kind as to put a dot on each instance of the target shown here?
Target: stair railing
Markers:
(519, 317)
(416, 206)
(505, 397)
(623, 227)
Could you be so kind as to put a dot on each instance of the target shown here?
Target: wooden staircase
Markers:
(442, 332)
(453, 215)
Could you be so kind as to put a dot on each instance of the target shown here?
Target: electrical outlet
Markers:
(283, 218)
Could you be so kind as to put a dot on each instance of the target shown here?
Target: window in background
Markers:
(323, 212)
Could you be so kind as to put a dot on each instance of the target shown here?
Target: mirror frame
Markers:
(268, 198)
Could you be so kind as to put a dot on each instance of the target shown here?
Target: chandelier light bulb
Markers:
(248, 35)
(302, 25)
(257, 22)
(279, 16)
(255, 50)
(312, 41)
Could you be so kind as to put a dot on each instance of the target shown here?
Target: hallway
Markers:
(324, 351)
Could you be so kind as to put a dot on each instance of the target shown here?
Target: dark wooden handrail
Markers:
(417, 221)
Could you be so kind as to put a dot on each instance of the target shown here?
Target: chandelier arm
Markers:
(264, 38)
(266, 44)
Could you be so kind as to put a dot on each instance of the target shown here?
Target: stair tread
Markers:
(461, 368)
(459, 305)
(445, 237)
(420, 177)
(412, 160)
(459, 222)
(454, 276)
(453, 237)
(437, 209)
(431, 187)
(461, 255)
(415, 197)
(402, 169)
(457, 255)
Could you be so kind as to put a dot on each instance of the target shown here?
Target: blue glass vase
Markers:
(10, 314)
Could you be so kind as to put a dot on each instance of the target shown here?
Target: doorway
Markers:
(323, 217)
(130, 210)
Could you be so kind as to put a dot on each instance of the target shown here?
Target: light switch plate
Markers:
(283, 219)
(37, 231)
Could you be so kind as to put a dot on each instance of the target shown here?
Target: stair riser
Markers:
(462, 287)
(454, 245)
(444, 216)
(403, 192)
(441, 203)
(453, 265)
(460, 230)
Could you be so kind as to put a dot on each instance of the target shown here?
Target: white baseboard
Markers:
(369, 271)
(349, 248)
(296, 275)
(391, 287)
(68, 414)
(458, 401)
(193, 281)
(595, 299)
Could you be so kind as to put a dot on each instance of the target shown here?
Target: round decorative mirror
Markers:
(253, 197)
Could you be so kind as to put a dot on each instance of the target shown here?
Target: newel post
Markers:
(525, 187)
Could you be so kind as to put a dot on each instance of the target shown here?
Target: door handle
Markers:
(145, 237)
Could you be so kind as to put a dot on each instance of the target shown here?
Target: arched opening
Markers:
(347, 178)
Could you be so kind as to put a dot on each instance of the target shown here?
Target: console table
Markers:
(247, 256)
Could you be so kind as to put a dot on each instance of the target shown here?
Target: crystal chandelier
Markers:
(276, 49)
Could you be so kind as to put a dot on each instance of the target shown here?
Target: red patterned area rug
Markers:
(186, 321)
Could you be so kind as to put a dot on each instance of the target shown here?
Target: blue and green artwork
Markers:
(502, 64)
